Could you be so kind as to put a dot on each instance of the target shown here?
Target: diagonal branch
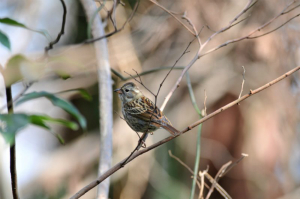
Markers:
(173, 15)
(118, 166)
(248, 36)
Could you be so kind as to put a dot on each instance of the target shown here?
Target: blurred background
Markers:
(265, 126)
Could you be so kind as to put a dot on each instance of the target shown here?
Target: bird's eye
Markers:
(126, 90)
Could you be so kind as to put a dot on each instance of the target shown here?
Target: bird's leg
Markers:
(140, 144)
(142, 141)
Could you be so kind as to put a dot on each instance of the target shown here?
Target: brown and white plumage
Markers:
(140, 113)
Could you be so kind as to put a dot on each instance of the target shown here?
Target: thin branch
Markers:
(145, 72)
(62, 31)
(116, 30)
(201, 175)
(199, 54)
(139, 81)
(186, 68)
(204, 114)
(115, 168)
(243, 82)
(223, 171)
(233, 165)
(218, 187)
(173, 15)
(201, 47)
(181, 162)
(223, 168)
(249, 5)
(10, 102)
(275, 28)
(248, 36)
(291, 9)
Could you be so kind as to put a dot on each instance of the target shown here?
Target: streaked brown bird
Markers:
(138, 110)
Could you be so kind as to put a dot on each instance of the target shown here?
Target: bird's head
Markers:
(128, 92)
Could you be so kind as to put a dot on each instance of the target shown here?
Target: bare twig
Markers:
(248, 36)
(230, 25)
(223, 168)
(145, 72)
(186, 68)
(115, 168)
(139, 80)
(181, 162)
(242, 88)
(173, 15)
(10, 102)
(218, 187)
(232, 165)
(201, 47)
(274, 28)
(204, 104)
(62, 31)
(201, 175)
(116, 30)
(222, 172)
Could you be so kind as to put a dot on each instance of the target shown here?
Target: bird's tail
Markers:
(171, 129)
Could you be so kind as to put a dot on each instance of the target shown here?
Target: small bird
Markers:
(139, 111)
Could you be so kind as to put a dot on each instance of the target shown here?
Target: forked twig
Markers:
(223, 171)
(230, 25)
(116, 30)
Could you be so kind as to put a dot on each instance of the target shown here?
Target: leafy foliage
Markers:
(56, 101)
(11, 124)
(81, 91)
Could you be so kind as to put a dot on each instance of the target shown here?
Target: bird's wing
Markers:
(143, 108)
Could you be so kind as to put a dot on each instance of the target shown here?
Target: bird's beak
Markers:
(118, 91)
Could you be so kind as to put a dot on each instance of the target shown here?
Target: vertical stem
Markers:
(197, 159)
(13, 169)
(105, 97)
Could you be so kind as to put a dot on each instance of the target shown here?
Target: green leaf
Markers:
(65, 105)
(4, 40)
(41, 119)
(12, 22)
(81, 91)
(10, 124)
